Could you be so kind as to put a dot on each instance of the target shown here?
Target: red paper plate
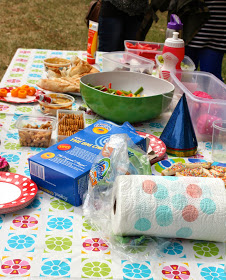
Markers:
(28, 99)
(157, 145)
(16, 192)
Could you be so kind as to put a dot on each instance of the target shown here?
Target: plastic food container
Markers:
(35, 131)
(203, 111)
(186, 65)
(69, 122)
(125, 61)
(145, 49)
(56, 64)
(64, 101)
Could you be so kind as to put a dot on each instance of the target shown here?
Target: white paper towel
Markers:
(175, 207)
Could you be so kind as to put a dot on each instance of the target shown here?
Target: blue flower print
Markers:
(40, 57)
(12, 158)
(35, 204)
(15, 117)
(55, 268)
(156, 125)
(1, 221)
(136, 271)
(208, 146)
(21, 242)
(34, 76)
(12, 135)
(174, 248)
(27, 171)
(37, 149)
(213, 273)
(60, 223)
(37, 66)
(56, 53)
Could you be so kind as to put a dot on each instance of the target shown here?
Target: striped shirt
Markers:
(213, 32)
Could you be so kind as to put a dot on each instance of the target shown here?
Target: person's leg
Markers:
(211, 61)
(110, 34)
(193, 53)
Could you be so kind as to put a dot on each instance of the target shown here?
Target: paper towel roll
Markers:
(175, 207)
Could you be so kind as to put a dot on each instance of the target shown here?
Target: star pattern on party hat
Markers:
(179, 135)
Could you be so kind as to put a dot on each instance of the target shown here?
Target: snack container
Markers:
(186, 65)
(145, 49)
(69, 122)
(203, 111)
(35, 131)
(56, 64)
(125, 61)
(51, 109)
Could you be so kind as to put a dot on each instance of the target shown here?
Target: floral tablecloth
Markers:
(55, 245)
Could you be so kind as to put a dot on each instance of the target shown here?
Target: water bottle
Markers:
(173, 54)
(174, 25)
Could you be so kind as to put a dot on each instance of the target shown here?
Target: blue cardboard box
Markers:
(62, 170)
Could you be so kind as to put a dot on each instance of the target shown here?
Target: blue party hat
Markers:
(179, 135)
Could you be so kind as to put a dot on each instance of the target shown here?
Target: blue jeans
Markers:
(114, 30)
(210, 60)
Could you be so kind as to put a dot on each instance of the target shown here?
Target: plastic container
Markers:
(56, 64)
(219, 141)
(68, 123)
(145, 49)
(35, 131)
(186, 65)
(203, 111)
(51, 109)
(125, 61)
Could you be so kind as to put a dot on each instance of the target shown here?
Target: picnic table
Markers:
(54, 246)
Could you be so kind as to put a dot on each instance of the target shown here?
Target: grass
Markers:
(52, 24)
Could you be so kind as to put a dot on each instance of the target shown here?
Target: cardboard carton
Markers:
(62, 170)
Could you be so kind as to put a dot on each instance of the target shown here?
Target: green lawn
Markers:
(52, 24)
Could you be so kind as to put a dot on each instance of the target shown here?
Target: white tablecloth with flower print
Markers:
(53, 242)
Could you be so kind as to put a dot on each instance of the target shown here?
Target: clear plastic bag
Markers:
(120, 156)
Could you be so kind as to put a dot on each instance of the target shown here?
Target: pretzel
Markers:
(69, 124)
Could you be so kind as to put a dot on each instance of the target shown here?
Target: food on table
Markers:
(21, 92)
(177, 167)
(56, 64)
(60, 100)
(57, 101)
(36, 136)
(193, 172)
(67, 80)
(141, 46)
(4, 165)
(205, 123)
(197, 169)
(202, 94)
(117, 92)
(198, 164)
(3, 92)
(69, 124)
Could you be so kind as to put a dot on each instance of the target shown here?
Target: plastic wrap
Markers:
(120, 156)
